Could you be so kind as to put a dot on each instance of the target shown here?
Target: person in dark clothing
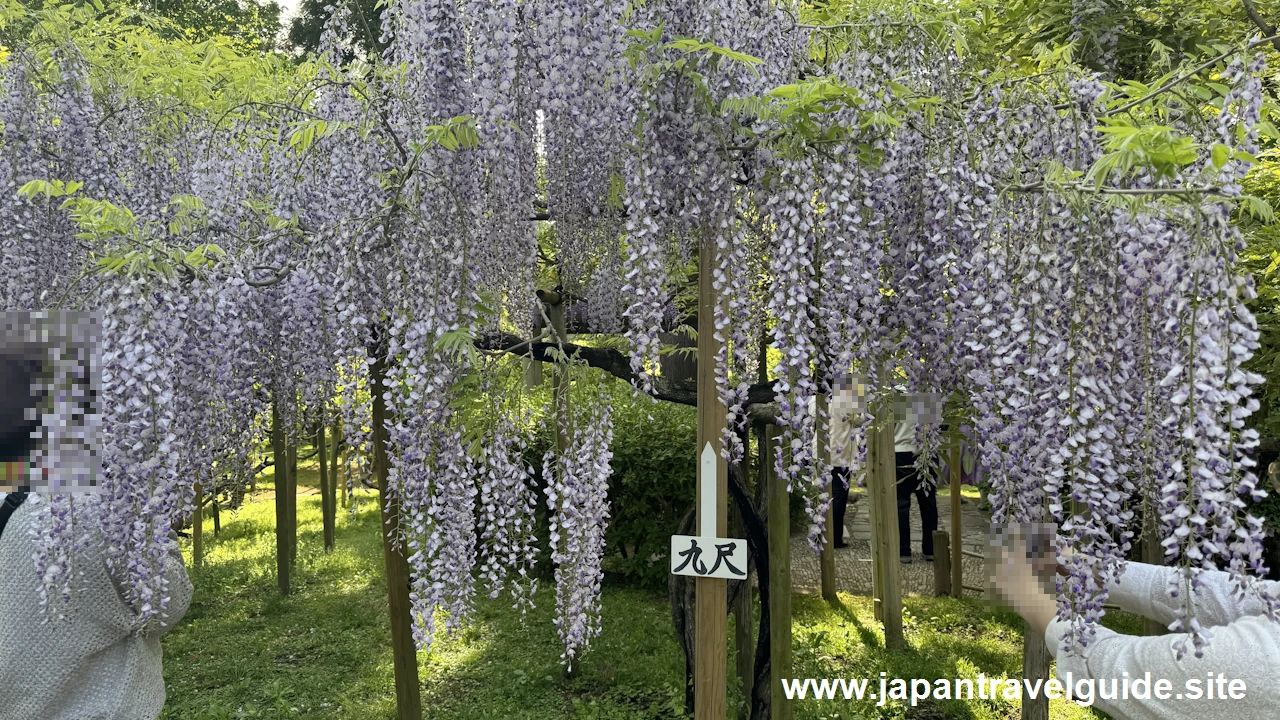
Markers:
(911, 483)
(839, 502)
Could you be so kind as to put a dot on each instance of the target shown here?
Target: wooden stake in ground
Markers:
(957, 527)
(1035, 666)
(710, 665)
(942, 564)
(197, 529)
(403, 651)
(779, 579)
(326, 487)
(282, 504)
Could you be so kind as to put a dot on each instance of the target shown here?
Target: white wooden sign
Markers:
(709, 557)
(706, 555)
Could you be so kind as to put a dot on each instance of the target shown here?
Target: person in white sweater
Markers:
(99, 662)
(844, 408)
(1237, 677)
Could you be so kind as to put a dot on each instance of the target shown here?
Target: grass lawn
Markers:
(244, 652)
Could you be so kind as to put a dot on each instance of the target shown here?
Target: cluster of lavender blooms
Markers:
(577, 496)
(1098, 347)
(1067, 323)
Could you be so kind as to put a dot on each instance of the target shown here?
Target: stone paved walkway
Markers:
(853, 563)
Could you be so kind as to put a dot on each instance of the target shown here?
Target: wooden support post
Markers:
(873, 518)
(957, 527)
(1035, 666)
(339, 471)
(532, 373)
(1152, 554)
(779, 579)
(327, 483)
(884, 519)
(941, 563)
(197, 529)
(711, 657)
(403, 651)
(827, 558)
(283, 566)
(293, 502)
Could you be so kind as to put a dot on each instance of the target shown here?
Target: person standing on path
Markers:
(911, 482)
(844, 411)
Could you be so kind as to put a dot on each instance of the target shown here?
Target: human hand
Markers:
(1020, 567)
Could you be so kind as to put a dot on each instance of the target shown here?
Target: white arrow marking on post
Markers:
(707, 481)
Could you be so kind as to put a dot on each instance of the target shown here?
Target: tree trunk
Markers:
(742, 617)
(404, 652)
(680, 589)
(217, 517)
(282, 504)
(744, 601)
(757, 535)
(1152, 554)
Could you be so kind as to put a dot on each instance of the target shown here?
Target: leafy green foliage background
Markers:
(653, 482)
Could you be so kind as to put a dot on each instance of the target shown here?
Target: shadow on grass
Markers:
(946, 639)
(243, 651)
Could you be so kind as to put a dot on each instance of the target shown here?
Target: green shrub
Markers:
(653, 484)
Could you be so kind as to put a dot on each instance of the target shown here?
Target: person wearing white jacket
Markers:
(99, 661)
(1237, 676)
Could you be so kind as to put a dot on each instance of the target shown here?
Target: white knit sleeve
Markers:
(179, 589)
(1145, 590)
(1247, 650)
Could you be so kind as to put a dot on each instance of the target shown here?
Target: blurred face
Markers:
(851, 385)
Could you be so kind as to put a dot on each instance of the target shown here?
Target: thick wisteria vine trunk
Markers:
(404, 652)
(280, 451)
(757, 534)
